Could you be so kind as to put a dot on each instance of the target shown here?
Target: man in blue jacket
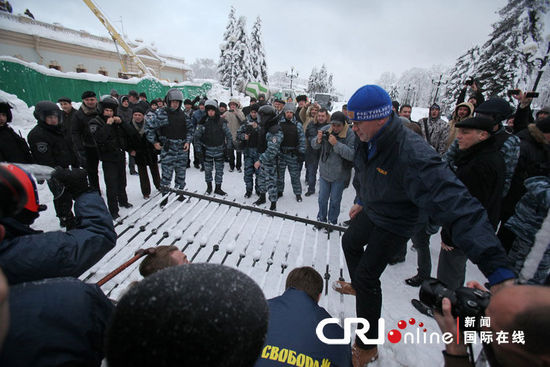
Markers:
(293, 319)
(28, 255)
(397, 177)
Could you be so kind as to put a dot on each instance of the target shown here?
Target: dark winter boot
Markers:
(248, 194)
(219, 190)
(299, 198)
(126, 205)
(164, 202)
(415, 281)
(310, 192)
(209, 187)
(261, 199)
(181, 198)
(273, 206)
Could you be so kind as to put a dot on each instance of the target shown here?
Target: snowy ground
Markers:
(263, 240)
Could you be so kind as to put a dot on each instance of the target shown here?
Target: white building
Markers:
(64, 49)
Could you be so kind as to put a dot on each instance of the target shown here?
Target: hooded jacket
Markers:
(455, 118)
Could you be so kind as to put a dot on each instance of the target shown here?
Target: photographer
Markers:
(515, 308)
(336, 143)
(476, 97)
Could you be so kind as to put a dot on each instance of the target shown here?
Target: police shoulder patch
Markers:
(93, 128)
(42, 147)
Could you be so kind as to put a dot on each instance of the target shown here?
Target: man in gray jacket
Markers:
(336, 143)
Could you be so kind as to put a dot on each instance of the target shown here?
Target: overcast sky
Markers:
(357, 39)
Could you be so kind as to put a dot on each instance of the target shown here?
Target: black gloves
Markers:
(75, 181)
(301, 157)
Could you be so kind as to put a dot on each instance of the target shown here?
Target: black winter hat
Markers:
(301, 97)
(5, 107)
(338, 117)
(479, 123)
(435, 106)
(544, 125)
(139, 108)
(88, 94)
(188, 101)
(133, 93)
(497, 108)
(223, 104)
(142, 94)
(189, 315)
(279, 100)
(44, 109)
(64, 99)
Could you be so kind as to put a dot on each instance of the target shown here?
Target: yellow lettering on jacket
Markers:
(291, 357)
(380, 170)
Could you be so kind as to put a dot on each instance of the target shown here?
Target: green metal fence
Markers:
(32, 86)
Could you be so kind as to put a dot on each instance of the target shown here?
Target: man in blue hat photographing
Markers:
(400, 180)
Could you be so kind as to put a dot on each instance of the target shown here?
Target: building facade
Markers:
(68, 50)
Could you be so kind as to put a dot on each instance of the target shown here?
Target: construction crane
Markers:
(117, 38)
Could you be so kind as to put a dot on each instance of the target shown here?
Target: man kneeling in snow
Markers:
(293, 319)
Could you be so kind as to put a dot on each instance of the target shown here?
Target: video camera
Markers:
(465, 302)
(470, 81)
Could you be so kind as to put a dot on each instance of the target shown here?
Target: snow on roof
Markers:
(88, 76)
(26, 25)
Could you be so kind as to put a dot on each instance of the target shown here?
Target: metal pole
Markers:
(543, 63)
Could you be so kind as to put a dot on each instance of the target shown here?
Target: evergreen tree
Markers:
(259, 65)
(224, 64)
(501, 63)
(320, 81)
(312, 83)
(242, 66)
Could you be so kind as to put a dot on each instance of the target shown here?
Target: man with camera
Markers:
(514, 310)
(336, 143)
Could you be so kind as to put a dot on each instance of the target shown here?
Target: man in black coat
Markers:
(50, 147)
(143, 152)
(83, 140)
(111, 141)
(13, 148)
(480, 167)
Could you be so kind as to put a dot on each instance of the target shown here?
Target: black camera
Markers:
(327, 133)
(464, 301)
(470, 81)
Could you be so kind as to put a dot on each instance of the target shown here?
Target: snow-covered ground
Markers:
(265, 240)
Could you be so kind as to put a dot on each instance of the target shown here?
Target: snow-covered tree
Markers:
(204, 69)
(257, 56)
(242, 67)
(226, 56)
(320, 81)
(502, 62)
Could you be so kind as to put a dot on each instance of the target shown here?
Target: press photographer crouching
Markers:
(517, 318)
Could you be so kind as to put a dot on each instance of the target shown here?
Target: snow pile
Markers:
(23, 119)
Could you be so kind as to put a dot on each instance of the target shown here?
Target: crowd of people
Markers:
(482, 177)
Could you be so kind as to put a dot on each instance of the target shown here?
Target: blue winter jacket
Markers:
(56, 322)
(398, 176)
(27, 255)
(291, 337)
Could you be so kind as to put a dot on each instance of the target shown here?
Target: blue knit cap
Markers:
(370, 102)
